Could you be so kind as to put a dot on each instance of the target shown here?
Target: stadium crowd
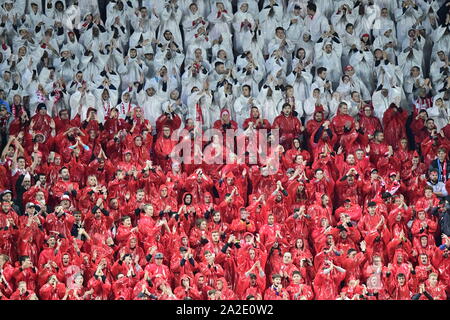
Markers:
(351, 202)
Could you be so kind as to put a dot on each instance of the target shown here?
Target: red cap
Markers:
(349, 67)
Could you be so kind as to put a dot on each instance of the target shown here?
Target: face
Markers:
(325, 200)
(79, 280)
(244, 215)
(287, 258)
(280, 34)
(380, 137)
(287, 110)
(166, 132)
(319, 174)
(65, 174)
(198, 54)
(433, 279)
(277, 281)
(127, 222)
(377, 261)
(174, 95)
(351, 159)
(270, 220)
(433, 176)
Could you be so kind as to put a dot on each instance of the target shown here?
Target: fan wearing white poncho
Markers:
(277, 65)
(133, 69)
(300, 79)
(163, 82)
(406, 16)
(95, 38)
(192, 20)
(363, 63)
(150, 102)
(225, 95)
(170, 16)
(356, 83)
(202, 6)
(67, 64)
(385, 71)
(107, 98)
(249, 72)
(243, 104)
(220, 19)
(343, 16)
(409, 58)
(201, 41)
(125, 107)
(269, 99)
(387, 42)
(328, 54)
(144, 26)
(255, 46)
(243, 25)
(294, 25)
(310, 104)
(413, 81)
(35, 15)
(438, 68)
(270, 17)
(200, 107)
(81, 101)
(315, 23)
(174, 104)
(194, 76)
(365, 17)
(92, 63)
(281, 43)
(171, 57)
(439, 112)
(382, 99)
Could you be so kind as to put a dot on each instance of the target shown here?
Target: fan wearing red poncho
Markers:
(431, 289)
(53, 289)
(322, 140)
(258, 122)
(199, 184)
(158, 270)
(342, 123)
(399, 287)
(187, 289)
(276, 290)
(211, 270)
(290, 126)
(298, 289)
(253, 286)
(225, 123)
(314, 124)
(349, 187)
(394, 124)
(368, 122)
(164, 146)
(43, 122)
(285, 269)
(327, 281)
(25, 272)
